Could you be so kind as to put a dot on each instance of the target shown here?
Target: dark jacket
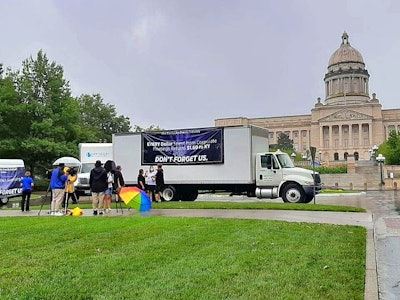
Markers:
(118, 177)
(98, 180)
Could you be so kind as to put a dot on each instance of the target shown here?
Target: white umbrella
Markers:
(68, 161)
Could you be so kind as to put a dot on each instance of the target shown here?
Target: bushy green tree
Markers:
(40, 126)
(391, 148)
(39, 119)
(99, 120)
(284, 142)
(137, 128)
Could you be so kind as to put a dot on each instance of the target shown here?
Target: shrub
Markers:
(330, 170)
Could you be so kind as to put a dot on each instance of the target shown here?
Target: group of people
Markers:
(103, 182)
(152, 182)
(62, 188)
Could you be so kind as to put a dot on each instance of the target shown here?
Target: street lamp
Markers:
(381, 159)
(293, 156)
(373, 153)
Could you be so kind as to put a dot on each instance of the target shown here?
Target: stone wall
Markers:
(363, 177)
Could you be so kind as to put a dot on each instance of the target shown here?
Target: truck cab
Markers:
(276, 176)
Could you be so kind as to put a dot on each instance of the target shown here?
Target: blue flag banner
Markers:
(183, 147)
(10, 181)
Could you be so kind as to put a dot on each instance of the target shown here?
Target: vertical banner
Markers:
(183, 147)
(10, 181)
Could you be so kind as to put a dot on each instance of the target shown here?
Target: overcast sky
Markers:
(185, 63)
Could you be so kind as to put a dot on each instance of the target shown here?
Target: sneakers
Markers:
(58, 214)
(95, 213)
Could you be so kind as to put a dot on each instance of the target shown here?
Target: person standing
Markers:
(118, 182)
(108, 192)
(57, 184)
(159, 182)
(151, 183)
(98, 185)
(141, 181)
(27, 184)
(70, 188)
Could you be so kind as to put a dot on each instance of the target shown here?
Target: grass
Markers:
(179, 258)
(228, 205)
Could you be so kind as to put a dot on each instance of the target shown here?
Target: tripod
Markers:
(44, 199)
(118, 202)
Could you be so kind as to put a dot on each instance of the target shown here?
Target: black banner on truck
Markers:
(186, 147)
(10, 181)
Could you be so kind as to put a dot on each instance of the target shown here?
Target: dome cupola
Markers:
(347, 79)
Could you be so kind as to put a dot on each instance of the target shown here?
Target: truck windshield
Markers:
(285, 160)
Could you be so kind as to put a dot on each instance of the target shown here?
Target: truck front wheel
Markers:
(169, 193)
(293, 193)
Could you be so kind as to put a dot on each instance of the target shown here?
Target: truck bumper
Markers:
(309, 190)
(82, 190)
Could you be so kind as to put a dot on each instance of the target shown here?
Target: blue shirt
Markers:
(26, 183)
(58, 179)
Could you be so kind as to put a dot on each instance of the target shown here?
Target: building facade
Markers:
(348, 122)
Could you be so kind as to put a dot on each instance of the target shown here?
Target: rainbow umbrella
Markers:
(135, 198)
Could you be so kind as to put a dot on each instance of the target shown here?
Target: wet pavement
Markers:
(382, 222)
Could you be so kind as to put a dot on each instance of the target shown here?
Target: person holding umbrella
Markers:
(69, 188)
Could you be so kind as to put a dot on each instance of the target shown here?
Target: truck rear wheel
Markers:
(169, 193)
(189, 195)
(293, 193)
(3, 201)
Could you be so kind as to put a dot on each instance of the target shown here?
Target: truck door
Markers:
(268, 171)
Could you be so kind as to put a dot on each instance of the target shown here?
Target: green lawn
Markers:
(136, 257)
(226, 205)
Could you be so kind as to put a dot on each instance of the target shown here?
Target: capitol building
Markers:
(348, 122)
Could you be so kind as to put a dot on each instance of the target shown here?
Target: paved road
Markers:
(381, 220)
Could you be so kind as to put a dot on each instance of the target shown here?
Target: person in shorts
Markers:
(150, 176)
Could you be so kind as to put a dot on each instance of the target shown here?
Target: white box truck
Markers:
(232, 159)
(11, 173)
(88, 154)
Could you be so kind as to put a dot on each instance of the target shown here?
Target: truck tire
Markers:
(188, 194)
(293, 193)
(169, 193)
(192, 195)
(3, 201)
(309, 198)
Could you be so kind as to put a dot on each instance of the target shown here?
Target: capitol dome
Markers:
(346, 53)
(347, 80)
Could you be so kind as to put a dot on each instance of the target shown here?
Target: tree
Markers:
(391, 148)
(137, 128)
(39, 119)
(41, 114)
(284, 142)
(99, 120)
